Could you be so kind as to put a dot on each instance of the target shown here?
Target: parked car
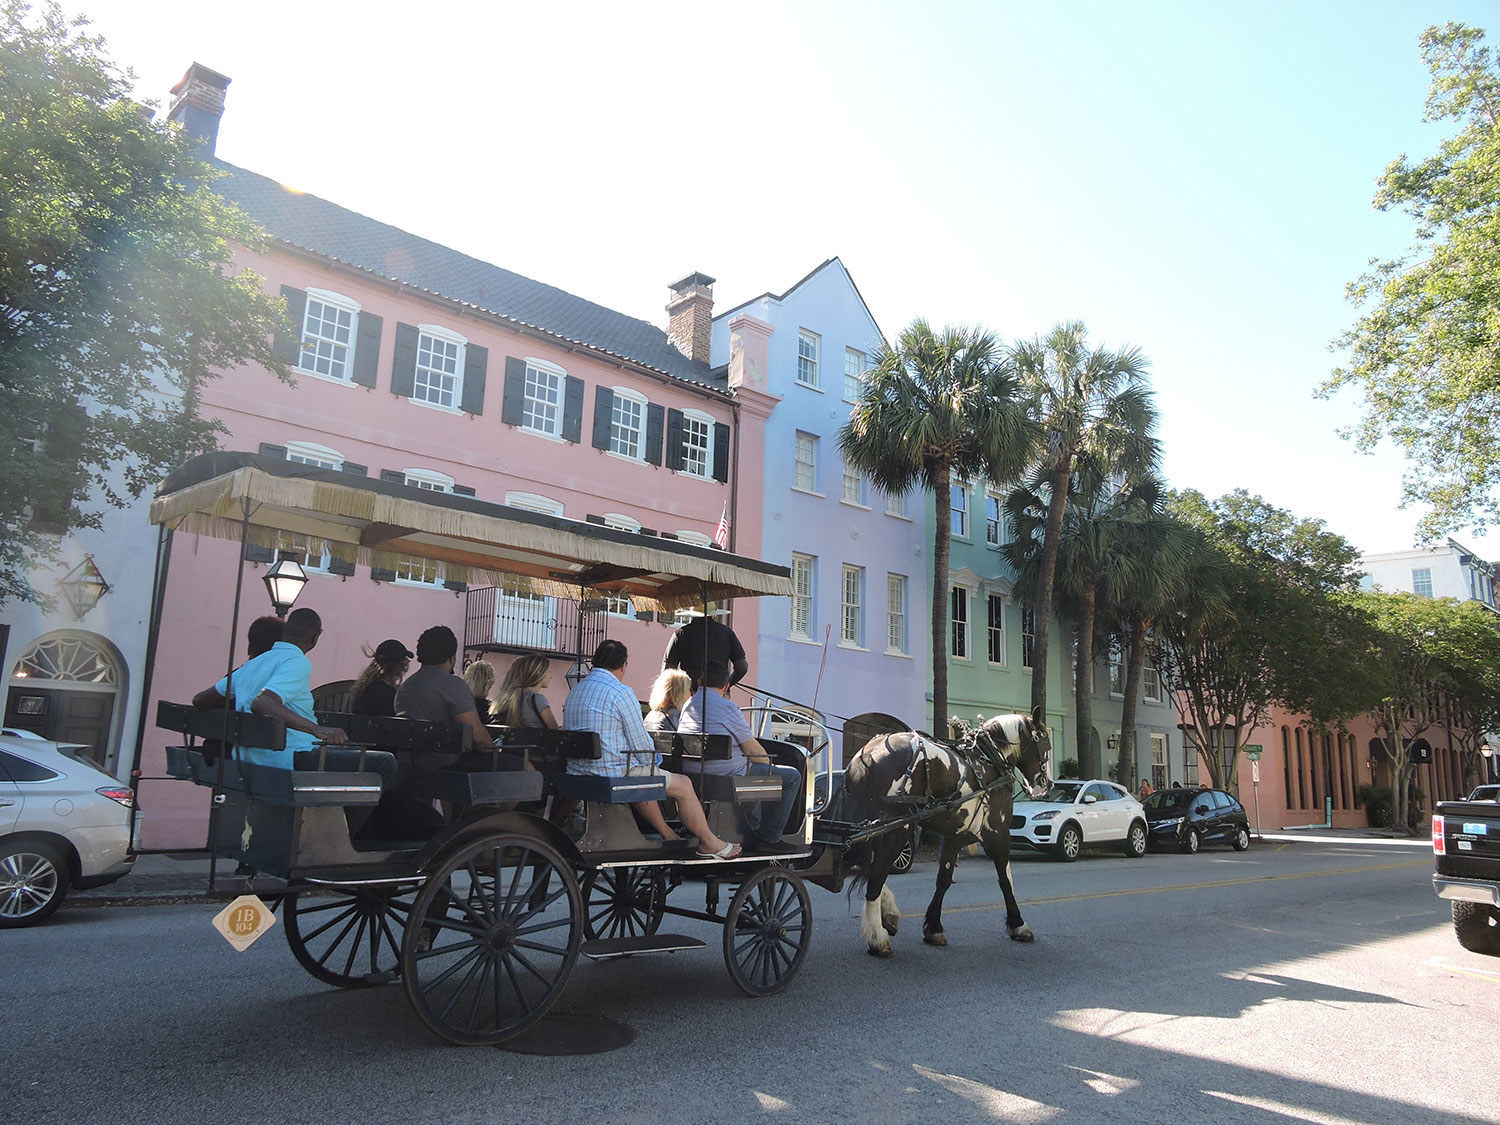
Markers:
(1189, 818)
(1485, 793)
(1080, 814)
(63, 823)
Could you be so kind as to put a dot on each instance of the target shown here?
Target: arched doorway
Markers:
(862, 728)
(66, 686)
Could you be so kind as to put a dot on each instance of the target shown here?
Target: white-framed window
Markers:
(996, 622)
(854, 374)
(1421, 581)
(429, 479)
(1150, 678)
(854, 485)
(412, 571)
(1158, 761)
(958, 503)
(808, 345)
(697, 444)
(895, 504)
(1028, 635)
(542, 404)
(696, 538)
(958, 623)
(620, 522)
(1117, 670)
(806, 474)
(627, 423)
(895, 613)
(852, 630)
(440, 367)
(617, 605)
(318, 456)
(328, 335)
(310, 554)
(994, 518)
(531, 502)
(804, 573)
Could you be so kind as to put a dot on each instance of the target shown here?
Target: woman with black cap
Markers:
(374, 693)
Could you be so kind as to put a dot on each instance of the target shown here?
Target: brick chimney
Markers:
(691, 311)
(198, 103)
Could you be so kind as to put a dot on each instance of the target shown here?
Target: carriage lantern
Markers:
(284, 582)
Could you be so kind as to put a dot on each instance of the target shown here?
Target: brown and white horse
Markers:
(899, 774)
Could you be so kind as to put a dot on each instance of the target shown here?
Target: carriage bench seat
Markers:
(739, 788)
(273, 785)
(611, 790)
(677, 747)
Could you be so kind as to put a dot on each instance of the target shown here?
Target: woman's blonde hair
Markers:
(672, 689)
(525, 673)
(480, 676)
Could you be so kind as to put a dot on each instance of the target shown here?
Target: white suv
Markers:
(1081, 814)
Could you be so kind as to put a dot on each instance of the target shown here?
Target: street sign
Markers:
(1255, 773)
(243, 921)
(1252, 751)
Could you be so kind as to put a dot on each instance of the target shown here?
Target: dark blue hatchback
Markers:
(1189, 818)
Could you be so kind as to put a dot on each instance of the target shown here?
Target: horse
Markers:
(902, 773)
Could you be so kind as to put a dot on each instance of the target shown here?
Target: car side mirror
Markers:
(1090, 799)
(1201, 809)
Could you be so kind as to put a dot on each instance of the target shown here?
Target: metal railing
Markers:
(497, 619)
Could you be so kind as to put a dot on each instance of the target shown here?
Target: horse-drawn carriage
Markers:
(484, 921)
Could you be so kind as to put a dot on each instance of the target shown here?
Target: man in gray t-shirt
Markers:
(434, 692)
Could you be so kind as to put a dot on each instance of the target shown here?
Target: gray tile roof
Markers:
(324, 228)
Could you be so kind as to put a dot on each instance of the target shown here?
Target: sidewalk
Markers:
(168, 877)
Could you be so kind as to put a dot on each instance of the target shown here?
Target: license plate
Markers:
(1465, 845)
(1477, 829)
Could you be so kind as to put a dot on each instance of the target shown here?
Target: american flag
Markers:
(721, 535)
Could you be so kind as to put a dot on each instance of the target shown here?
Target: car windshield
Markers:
(1062, 793)
(1170, 799)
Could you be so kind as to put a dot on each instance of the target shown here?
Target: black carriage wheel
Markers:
(767, 931)
(492, 939)
(620, 902)
(349, 937)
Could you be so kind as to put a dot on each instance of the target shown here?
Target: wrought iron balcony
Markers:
(497, 619)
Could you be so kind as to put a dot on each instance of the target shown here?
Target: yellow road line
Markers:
(1183, 887)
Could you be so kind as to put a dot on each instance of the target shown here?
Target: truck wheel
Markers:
(1477, 927)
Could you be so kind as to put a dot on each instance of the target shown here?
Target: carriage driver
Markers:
(601, 703)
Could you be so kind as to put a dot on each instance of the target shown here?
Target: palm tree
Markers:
(1088, 402)
(936, 406)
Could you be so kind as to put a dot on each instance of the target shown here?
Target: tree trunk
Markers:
(1083, 694)
(940, 546)
(1042, 601)
(1135, 663)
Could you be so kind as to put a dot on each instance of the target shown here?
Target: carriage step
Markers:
(602, 949)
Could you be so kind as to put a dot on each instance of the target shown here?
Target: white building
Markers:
(1449, 570)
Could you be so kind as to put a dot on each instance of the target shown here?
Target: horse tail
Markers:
(859, 857)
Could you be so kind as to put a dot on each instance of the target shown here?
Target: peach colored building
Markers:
(416, 363)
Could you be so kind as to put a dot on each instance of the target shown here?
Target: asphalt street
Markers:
(1303, 980)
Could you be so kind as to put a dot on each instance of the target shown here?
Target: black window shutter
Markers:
(356, 470)
(462, 490)
(381, 574)
(337, 565)
(276, 451)
(456, 587)
(476, 359)
(594, 519)
(721, 451)
(674, 439)
(572, 429)
(513, 405)
(604, 409)
(655, 419)
(288, 344)
(393, 476)
(254, 552)
(404, 370)
(367, 349)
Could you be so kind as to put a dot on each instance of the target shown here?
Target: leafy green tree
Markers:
(1425, 352)
(119, 294)
(1267, 624)
(936, 408)
(1089, 403)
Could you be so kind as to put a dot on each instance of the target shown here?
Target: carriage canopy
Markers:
(260, 500)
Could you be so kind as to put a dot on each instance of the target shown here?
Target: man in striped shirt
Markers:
(601, 703)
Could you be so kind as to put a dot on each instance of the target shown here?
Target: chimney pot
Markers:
(690, 315)
(198, 104)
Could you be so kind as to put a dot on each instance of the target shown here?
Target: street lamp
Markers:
(284, 581)
(83, 586)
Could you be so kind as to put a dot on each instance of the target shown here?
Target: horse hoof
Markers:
(879, 950)
(939, 938)
(1022, 934)
(890, 922)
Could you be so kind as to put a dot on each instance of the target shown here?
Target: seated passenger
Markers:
(374, 693)
(263, 633)
(709, 711)
(520, 702)
(480, 676)
(434, 692)
(668, 694)
(601, 703)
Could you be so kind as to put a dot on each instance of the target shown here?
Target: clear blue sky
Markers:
(1190, 178)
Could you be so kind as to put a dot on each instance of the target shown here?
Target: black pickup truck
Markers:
(1466, 844)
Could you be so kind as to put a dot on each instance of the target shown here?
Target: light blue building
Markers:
(852, 641)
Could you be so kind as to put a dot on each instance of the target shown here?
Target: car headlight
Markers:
(1047, 815)
(1171, 822)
